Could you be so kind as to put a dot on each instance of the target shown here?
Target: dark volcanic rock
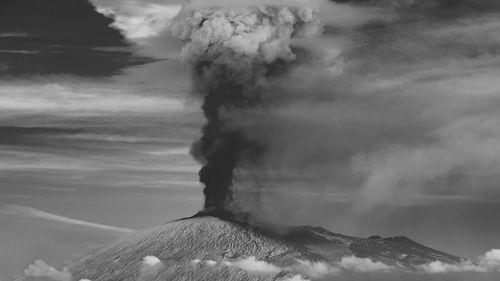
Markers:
(178, 243)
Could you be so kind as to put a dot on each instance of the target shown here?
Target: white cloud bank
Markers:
(307, 270)
(141, 20)
(253, 265)
(41, 270)
(489, 262)
(301, 271)
(356, 264)
(302, 267)
(297, 277)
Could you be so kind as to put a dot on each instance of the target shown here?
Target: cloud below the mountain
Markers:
(352, 265)
(313, 269)
(253, 265)
(40, 269)
(489, 262)
(350, 268)
(150, 266)
(356, 264)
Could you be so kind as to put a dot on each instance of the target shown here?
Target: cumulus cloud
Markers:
(489, 262)
(304, 269)
(41, 270)
(315, 269)
(297, 277)
(249, 264)
(151, 261)
(150, 266)
(138, 20)
(253, 265)
(210, 262)
(356, 264)
(144, 23)
(355, 268)
(196, 261)
(440, 267)
(346, 264)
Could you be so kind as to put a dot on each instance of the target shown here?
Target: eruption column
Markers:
(232, 52)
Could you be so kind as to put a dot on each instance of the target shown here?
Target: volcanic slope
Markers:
(207, 248)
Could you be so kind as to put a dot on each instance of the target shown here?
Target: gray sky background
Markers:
(403, 140)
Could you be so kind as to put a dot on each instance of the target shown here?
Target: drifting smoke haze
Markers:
(397, 106)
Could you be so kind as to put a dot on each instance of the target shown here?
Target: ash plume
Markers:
(360, 117)
(233, 50)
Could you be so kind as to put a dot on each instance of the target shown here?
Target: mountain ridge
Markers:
(205, 238)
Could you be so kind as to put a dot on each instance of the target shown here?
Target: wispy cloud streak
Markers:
(36, 213)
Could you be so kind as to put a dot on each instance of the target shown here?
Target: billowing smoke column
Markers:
(233, 50)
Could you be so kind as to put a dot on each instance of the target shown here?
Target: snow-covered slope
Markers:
(205, 248)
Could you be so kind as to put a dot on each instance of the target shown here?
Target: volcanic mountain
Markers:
(217, 248)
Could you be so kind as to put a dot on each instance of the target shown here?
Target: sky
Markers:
(398, 121)
(86, 155)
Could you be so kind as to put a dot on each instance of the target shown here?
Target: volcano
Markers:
(208, 247)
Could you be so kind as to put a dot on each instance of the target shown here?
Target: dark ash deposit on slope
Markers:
(178, 243)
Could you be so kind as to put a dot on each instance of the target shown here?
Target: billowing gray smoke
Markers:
(233, 48)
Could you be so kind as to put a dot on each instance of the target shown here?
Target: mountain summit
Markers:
(211, 248)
